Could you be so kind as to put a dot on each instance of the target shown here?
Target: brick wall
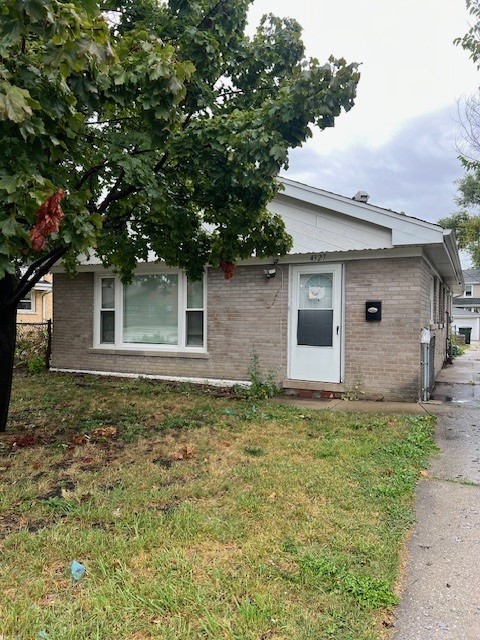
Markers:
(250, 313)
(438, 324)
(383, 358)
(244, 314)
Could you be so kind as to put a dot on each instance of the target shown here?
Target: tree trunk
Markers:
(8, 333)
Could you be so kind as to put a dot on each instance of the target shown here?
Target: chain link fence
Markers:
(33, 346)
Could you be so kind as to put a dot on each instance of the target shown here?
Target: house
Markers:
(344, 310)
(470, 296)
(466, 309)
(466, 322)
(36, 306)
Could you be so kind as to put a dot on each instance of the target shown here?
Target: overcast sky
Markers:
(398, 141)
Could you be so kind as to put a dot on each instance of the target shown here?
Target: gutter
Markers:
(453, 256)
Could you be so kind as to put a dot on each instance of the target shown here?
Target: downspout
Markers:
(44, 313)
(425, 337)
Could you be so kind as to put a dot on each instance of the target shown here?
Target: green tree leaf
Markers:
(164, 124)
(15, 103)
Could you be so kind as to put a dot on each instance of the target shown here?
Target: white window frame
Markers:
(468, 293)
(118, 344)
(32, 303)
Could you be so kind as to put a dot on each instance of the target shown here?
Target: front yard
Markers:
(199, 517)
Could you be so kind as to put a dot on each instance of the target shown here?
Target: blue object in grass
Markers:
(77, 570)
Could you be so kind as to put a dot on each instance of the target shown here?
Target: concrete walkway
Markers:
(364, 406)
(441, 597)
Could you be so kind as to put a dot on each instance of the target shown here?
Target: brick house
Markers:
(345, 309)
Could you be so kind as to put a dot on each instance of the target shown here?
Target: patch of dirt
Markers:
(58, 490)
(165, 463)
(36, 525)
(110, 486)
(10, 523)
(168, 507)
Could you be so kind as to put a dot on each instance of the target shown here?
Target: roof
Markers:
(458, 312)
(322, 221)
(466, 302)
(471, 276)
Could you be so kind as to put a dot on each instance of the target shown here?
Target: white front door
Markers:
(316, 323)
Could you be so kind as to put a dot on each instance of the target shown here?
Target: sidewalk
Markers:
(441, 596)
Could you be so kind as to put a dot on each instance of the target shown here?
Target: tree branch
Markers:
(205, 20)
(90, 173)
(40, 267)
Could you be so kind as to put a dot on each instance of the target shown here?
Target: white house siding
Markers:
(463, 319)
(315, 230)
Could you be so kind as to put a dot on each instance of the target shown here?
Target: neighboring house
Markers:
(344, 311)
(467, 323)
(37, 304)
(466, 310)
(470, 296)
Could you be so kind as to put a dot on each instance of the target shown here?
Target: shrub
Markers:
(31, 347)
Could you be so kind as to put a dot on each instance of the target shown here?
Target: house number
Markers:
(318, 257)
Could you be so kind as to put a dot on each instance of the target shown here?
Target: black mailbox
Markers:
(373, 310)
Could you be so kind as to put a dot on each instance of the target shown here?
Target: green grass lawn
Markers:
(199, 517)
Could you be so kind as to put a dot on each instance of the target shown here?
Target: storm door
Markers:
(315, 323)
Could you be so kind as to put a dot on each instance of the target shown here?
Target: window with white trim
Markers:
(468, 291)
(27, 303)
(162, 310)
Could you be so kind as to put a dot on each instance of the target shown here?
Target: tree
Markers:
(138, 126)
(466, 221)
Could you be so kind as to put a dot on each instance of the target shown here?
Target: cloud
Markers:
(414, 173)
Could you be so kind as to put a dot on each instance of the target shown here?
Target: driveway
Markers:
(441, 594)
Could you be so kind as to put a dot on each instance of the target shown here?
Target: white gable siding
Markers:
(315, 229)
(405, 230)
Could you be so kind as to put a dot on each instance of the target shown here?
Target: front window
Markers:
(161, 310)
(468, 291)
(150, 310)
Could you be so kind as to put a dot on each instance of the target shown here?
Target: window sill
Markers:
(149, 353)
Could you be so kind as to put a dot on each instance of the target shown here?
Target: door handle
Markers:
(338, 330)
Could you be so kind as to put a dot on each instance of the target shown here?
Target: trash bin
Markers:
(467, 332)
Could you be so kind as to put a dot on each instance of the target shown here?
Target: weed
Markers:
(36, 364)
(355, 391)
(30, 347)
(262, 385)
(332, 575)
(254, 451)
